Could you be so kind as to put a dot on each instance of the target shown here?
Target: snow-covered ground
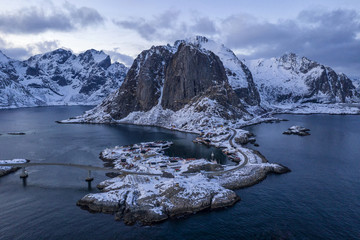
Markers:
(4, 170)
(185, 185)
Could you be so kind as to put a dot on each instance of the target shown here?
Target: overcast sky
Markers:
(325, 31)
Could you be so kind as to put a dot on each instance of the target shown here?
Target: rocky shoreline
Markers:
(190, 185)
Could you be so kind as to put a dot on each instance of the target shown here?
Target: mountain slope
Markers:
(184, 86)
(238, 74)
(297, 80)
(58, 78)
(197, 83)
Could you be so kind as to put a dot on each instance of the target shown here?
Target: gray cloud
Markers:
(84, 16)
(329, 37)
(153, 28)
(17, 53)
(325, 36)
(119, 57)
(21, 53)
(168, 26)
(167, 19)
(37, 19)
(46, 46)
(146, 30)
(204, 25)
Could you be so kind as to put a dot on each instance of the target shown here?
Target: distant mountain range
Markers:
(198, 82)
(58, 78)
(193, 82)
(292, 79)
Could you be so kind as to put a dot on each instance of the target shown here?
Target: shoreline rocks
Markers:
(149, 200)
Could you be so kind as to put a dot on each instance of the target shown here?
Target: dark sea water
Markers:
(319, 199)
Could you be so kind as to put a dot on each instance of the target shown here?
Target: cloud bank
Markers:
(34, 20)
(330, 37)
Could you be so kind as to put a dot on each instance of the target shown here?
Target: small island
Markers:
(297, 130)
(16, 133)
(154, 187)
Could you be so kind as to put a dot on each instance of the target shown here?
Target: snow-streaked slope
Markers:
(239, 76)
(59, 78)
(150, 74)
(292, 80)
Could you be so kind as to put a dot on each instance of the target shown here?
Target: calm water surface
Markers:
(319, 199)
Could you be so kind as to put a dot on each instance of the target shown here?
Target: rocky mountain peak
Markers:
(239, 76)
(61, 77)
(293, 62)
(190, 73)
(292, 79)
(183, 79)
(94, 56)
(59, 56)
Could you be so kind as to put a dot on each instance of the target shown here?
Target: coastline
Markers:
(120, 195)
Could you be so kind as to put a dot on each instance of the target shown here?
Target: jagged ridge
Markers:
(58, 78)
(293, 79)
(181, 85)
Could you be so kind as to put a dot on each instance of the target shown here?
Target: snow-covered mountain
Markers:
(356, 82)
(292, 81)
(197, 82)
(238, 74)
(193, 83)
(59, 78)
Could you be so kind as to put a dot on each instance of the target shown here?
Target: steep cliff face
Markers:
(143, 84)
(181, 85)
(189, 74)
(59, 77)
(292, 79)
(238, 74)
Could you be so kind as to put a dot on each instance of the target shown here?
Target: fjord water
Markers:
(319, 199)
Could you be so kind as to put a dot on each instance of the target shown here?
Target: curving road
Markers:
(246, 159)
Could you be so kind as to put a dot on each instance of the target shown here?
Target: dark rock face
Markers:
(142, 86)
(189, 74)
(184, 75)
(238, 74)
